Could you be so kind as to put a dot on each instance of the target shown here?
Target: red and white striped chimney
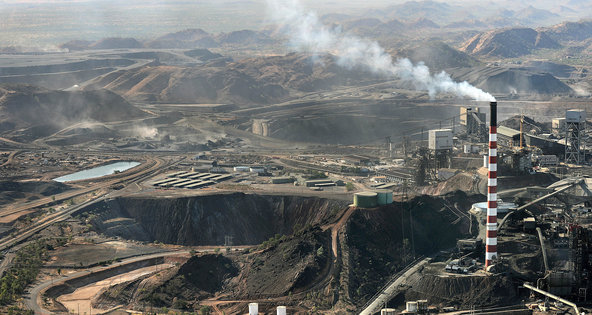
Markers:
(491, 237)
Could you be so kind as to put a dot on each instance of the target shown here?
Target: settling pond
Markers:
(99, 171)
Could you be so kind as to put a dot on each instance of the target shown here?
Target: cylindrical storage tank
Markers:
(281, 310)
(384, 197)
(389, 197)
(411, 307)
(381, 197)
(253, 309)
(365, 199)
(502, 207)
(388, 311)
(486, 161)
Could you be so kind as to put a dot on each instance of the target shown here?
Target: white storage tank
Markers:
(411, 307)
(253, 309)
(440, 139)
(502, 207)
(241, 168)
(575, 116)
(281, 310)
(486, 161)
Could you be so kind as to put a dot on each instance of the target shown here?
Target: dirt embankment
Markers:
(198, 278)
(464, 291)
(206, 220)
(294, 265)
(381, 241)
(282, 266)
(11, 191)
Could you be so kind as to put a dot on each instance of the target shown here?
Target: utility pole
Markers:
(403, 206)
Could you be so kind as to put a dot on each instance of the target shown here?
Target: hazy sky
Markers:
(50, 22)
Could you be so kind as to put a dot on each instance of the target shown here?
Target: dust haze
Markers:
(295, 157)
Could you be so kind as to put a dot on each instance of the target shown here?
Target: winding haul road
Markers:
(33, 298)
(152, 165)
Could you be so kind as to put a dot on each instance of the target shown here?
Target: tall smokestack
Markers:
(491, 237)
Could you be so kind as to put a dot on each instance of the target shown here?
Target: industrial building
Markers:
(315, 182)
(191, 180)
(398, 175)
(474, 122)
(440, 139)
(508, 137)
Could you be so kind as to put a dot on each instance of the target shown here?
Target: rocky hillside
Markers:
(570, 31)
(296, 264)
(248, 81)
(508, 43)
(42, 111)
(250, 219)
(369, 231)
(283, 266)
(438, 56)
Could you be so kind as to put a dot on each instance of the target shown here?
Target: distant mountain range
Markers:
(515, 42)
(186, 39)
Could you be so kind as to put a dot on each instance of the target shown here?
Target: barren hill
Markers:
(256, 80)
(189, 38)
(511, 80)
(508, 43)
(24, 106)
(244, 37)
(570, 31)
(438, 56)
(116, 43)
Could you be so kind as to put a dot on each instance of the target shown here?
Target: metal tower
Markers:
(575, 125)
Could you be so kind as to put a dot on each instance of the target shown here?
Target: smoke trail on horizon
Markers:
(308, 34)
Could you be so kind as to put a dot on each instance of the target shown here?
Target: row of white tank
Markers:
(254, 309)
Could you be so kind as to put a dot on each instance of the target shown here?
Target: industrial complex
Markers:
(273, 157)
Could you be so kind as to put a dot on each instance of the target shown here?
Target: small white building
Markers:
(440, 139)
(241, 169)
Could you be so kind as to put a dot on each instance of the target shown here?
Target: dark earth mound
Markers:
(24, 106)
(206, 220)
(11, 190)
(380, 241)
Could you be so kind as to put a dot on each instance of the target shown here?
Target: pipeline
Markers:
(555, 297)
(543, 249)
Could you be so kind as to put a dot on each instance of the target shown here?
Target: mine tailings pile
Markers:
(293, 261)
(205, 220)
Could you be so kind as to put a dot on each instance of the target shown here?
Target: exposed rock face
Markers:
(206, 220)
(508, 43)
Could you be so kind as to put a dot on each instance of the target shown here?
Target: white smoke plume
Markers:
(308, 34)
